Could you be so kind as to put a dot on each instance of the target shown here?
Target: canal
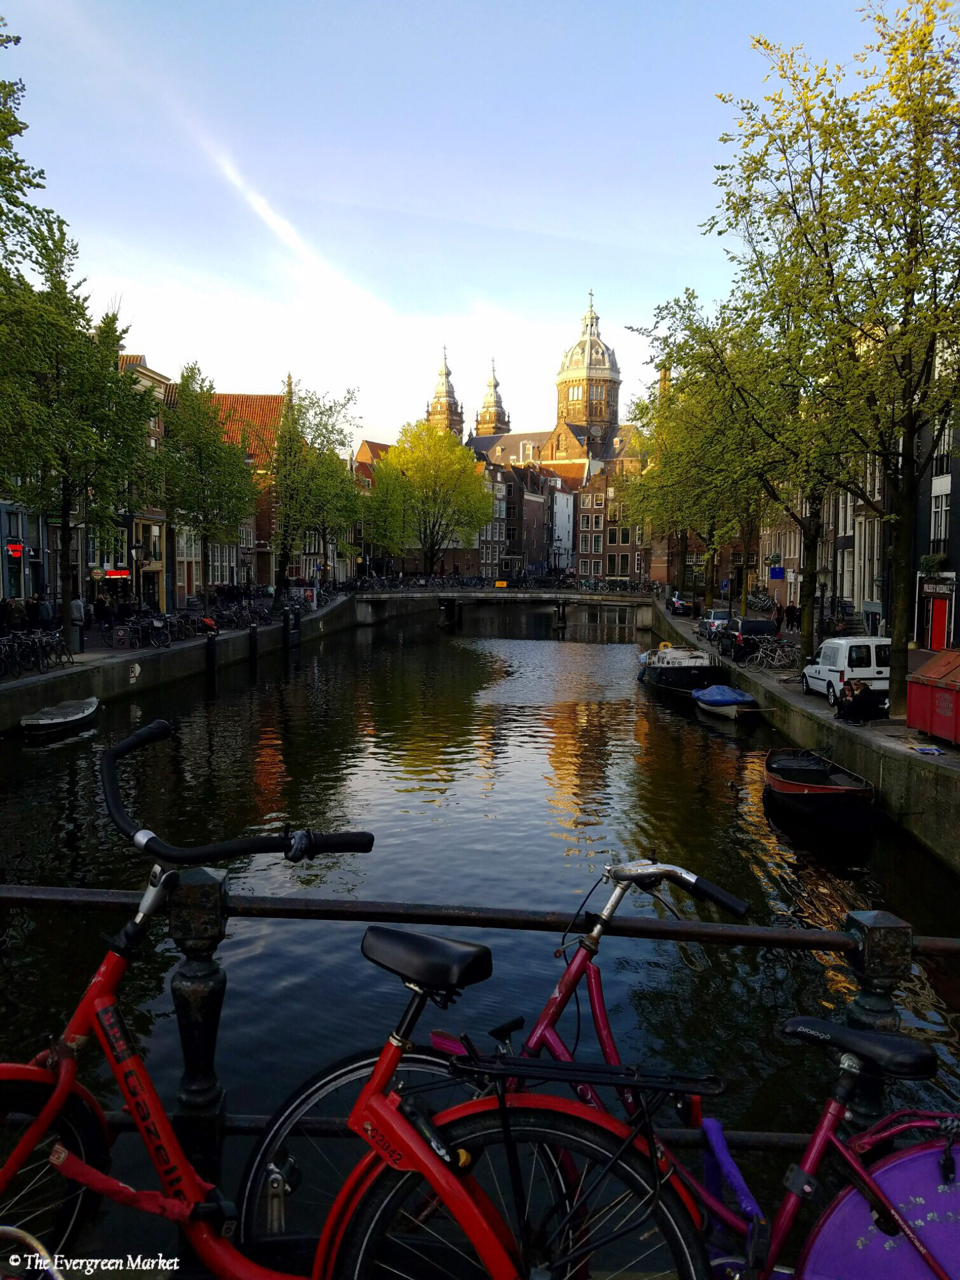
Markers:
(497, 766)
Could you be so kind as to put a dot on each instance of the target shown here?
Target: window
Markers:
(639, 563)
(584, 522)
(752, 560)
(598, 500)
(597, 568)
(624, 564)
(585, 500)
(611, 566)
(181, 573)
(575, 393)
(13, 524)
(91, 544)
(597, 543)
(738, 557)
(585, 542)
(639, 534)
(624, 537)
(597, 392)
(613, 513)
(598, 522)
(584, 568)
(509, 490)
(612, 536)
(939, 522)
(511, 533)
(941, 459)
(511, 512)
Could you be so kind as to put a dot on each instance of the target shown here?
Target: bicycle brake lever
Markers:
(655, 893)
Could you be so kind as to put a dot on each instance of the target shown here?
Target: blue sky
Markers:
(341, 188)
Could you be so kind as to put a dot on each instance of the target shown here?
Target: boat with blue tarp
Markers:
(724, 700)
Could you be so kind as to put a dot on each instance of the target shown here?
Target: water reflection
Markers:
(497, 766)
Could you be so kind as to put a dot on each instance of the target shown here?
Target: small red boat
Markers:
(815, 790)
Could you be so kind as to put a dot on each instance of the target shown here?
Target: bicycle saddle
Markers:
(437, 964)
(889, 1053)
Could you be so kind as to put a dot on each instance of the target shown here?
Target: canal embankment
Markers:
(920, 793)
(112, 674)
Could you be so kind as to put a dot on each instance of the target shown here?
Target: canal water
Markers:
(497, 766)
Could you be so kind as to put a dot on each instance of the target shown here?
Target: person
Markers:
(100, 608)
(778, 615)
(791, 614)
(16, 615)
(33, 612)
(78, 614)
(45, 613)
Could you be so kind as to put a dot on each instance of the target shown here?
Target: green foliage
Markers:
(73, 428)
(207, 485)
(432, 487)
(17, 178)
(310, 494)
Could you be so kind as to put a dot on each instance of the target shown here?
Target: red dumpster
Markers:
(933, 696)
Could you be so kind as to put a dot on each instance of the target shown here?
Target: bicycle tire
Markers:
(14, 664)
(321, 1170)
(65, 1207)
(42, 660)
(399, 1229)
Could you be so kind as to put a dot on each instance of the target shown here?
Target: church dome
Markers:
(590, 355)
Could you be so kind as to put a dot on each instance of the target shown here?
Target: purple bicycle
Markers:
(898, 1218)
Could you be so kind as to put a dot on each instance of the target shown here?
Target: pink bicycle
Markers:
(896, 1219)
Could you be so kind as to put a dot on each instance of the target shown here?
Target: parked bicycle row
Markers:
(33, 652)
(524, 582)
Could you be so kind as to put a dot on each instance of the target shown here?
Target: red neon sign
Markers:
(118, 573)
(15, 549)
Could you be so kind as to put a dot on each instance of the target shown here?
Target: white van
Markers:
(865, 658)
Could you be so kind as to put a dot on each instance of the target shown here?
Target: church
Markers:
(587, 432)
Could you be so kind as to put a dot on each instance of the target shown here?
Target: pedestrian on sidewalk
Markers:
(46, 614)
(778, 616)
(16, 615)
(33, 612)
(791, 613)
(78, 614)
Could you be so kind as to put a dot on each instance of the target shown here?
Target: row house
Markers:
(606, 545)
(937, 554)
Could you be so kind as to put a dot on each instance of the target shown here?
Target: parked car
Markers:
(678, 604)
(710, 620)
(865, 658)
(740, 637)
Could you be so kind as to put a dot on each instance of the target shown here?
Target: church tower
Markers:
(588, 384)
(444, 411)
(492, 420)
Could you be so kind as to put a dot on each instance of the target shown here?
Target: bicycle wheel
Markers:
(39, 1199)
(298, 1144)
(586, 1210)
(42, 658)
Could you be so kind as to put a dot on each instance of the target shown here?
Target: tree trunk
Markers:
(281, 584)
(901, 602)
(708, 568)
(323, 556)
(204, 569)
(66, 576)
(808, 583)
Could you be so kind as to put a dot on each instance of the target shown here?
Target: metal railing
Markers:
(879, 947)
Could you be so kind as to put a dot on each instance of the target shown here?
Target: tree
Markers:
(73, 428)
(846, 200)
(439, 486)
(208, 486)
(17, 178)
(310, 424)
(388, 513)
(334, 504)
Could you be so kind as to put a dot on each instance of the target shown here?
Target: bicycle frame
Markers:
(375, 1118)
(545, 1036)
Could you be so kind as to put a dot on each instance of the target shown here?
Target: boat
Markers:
(679, 669)
(811, 789)
(724, 700)
(60, 720)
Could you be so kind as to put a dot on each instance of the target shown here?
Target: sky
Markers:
(339, 189)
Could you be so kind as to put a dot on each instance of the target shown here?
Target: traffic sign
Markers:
(724, 584)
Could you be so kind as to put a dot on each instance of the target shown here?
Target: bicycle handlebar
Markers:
(294, 845)
(649, 875)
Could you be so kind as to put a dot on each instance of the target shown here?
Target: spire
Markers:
(492, 399)
(492, 420)
(444, 411)
(444, 389)
(591, 321)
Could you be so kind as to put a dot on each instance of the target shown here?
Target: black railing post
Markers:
(881, 961)
(198, 916)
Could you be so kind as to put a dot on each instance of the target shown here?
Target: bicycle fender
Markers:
(355, 1187)
(570, 1107)
(23, 1073)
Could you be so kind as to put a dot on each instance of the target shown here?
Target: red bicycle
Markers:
(508, 1184)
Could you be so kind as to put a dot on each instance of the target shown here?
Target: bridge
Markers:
(611, 608)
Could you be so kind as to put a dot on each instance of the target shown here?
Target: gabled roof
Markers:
(370, 451)
(510, 442)
(252, 421)
(574, 474)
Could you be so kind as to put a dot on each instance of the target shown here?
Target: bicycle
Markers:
(512, 1186)
(859, 1223)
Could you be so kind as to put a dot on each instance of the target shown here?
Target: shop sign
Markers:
(777, 571)
(15, 549)
(96, 574)
(500, 584)
(938, 587)
(118, 573)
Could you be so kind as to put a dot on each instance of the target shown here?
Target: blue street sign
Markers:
(724, 584)
(777, 571)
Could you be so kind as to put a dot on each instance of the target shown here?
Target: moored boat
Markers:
(679, 669)
(723, 700)
(812, 789)
(62, 719)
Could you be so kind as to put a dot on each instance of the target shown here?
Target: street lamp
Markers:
(136, 551)
(823, 577)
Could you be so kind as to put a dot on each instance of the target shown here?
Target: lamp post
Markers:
(136, 551)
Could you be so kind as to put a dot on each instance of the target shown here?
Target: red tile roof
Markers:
(253, 421)
(371, 448)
